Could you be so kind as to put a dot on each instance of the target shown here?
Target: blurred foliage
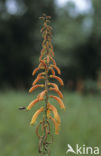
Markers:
(77, 42)
(19, 39)
(80, 124)
(76, 39)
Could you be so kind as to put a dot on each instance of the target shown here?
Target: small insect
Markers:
(22, 108)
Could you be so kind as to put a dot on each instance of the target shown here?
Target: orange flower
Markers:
(41, 66)
(36, 114)
(48, 113)
(35, 70)
(33, 103)
(57, 91)
(37, 79)
(48, 59)
(54, 85)
(56, 125)
(42, 53)
(52, 70)
(53, 60)
(55, 112)
(41, 95)
(44, 64)
(36, 86)
(59, 101)
(57, 78)
(57, 69)
(51, 46)
(40, 74)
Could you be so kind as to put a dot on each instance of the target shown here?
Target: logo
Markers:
(83, 150)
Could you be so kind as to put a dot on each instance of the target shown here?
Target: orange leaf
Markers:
(59, 101)
(36, 114)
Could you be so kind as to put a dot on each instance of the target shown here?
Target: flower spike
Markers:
(46, 70)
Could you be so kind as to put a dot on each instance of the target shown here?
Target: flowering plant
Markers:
(46, 72)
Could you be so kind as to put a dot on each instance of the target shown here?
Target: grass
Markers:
(81, 124)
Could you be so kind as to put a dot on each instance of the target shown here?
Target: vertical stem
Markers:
(46, 98)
